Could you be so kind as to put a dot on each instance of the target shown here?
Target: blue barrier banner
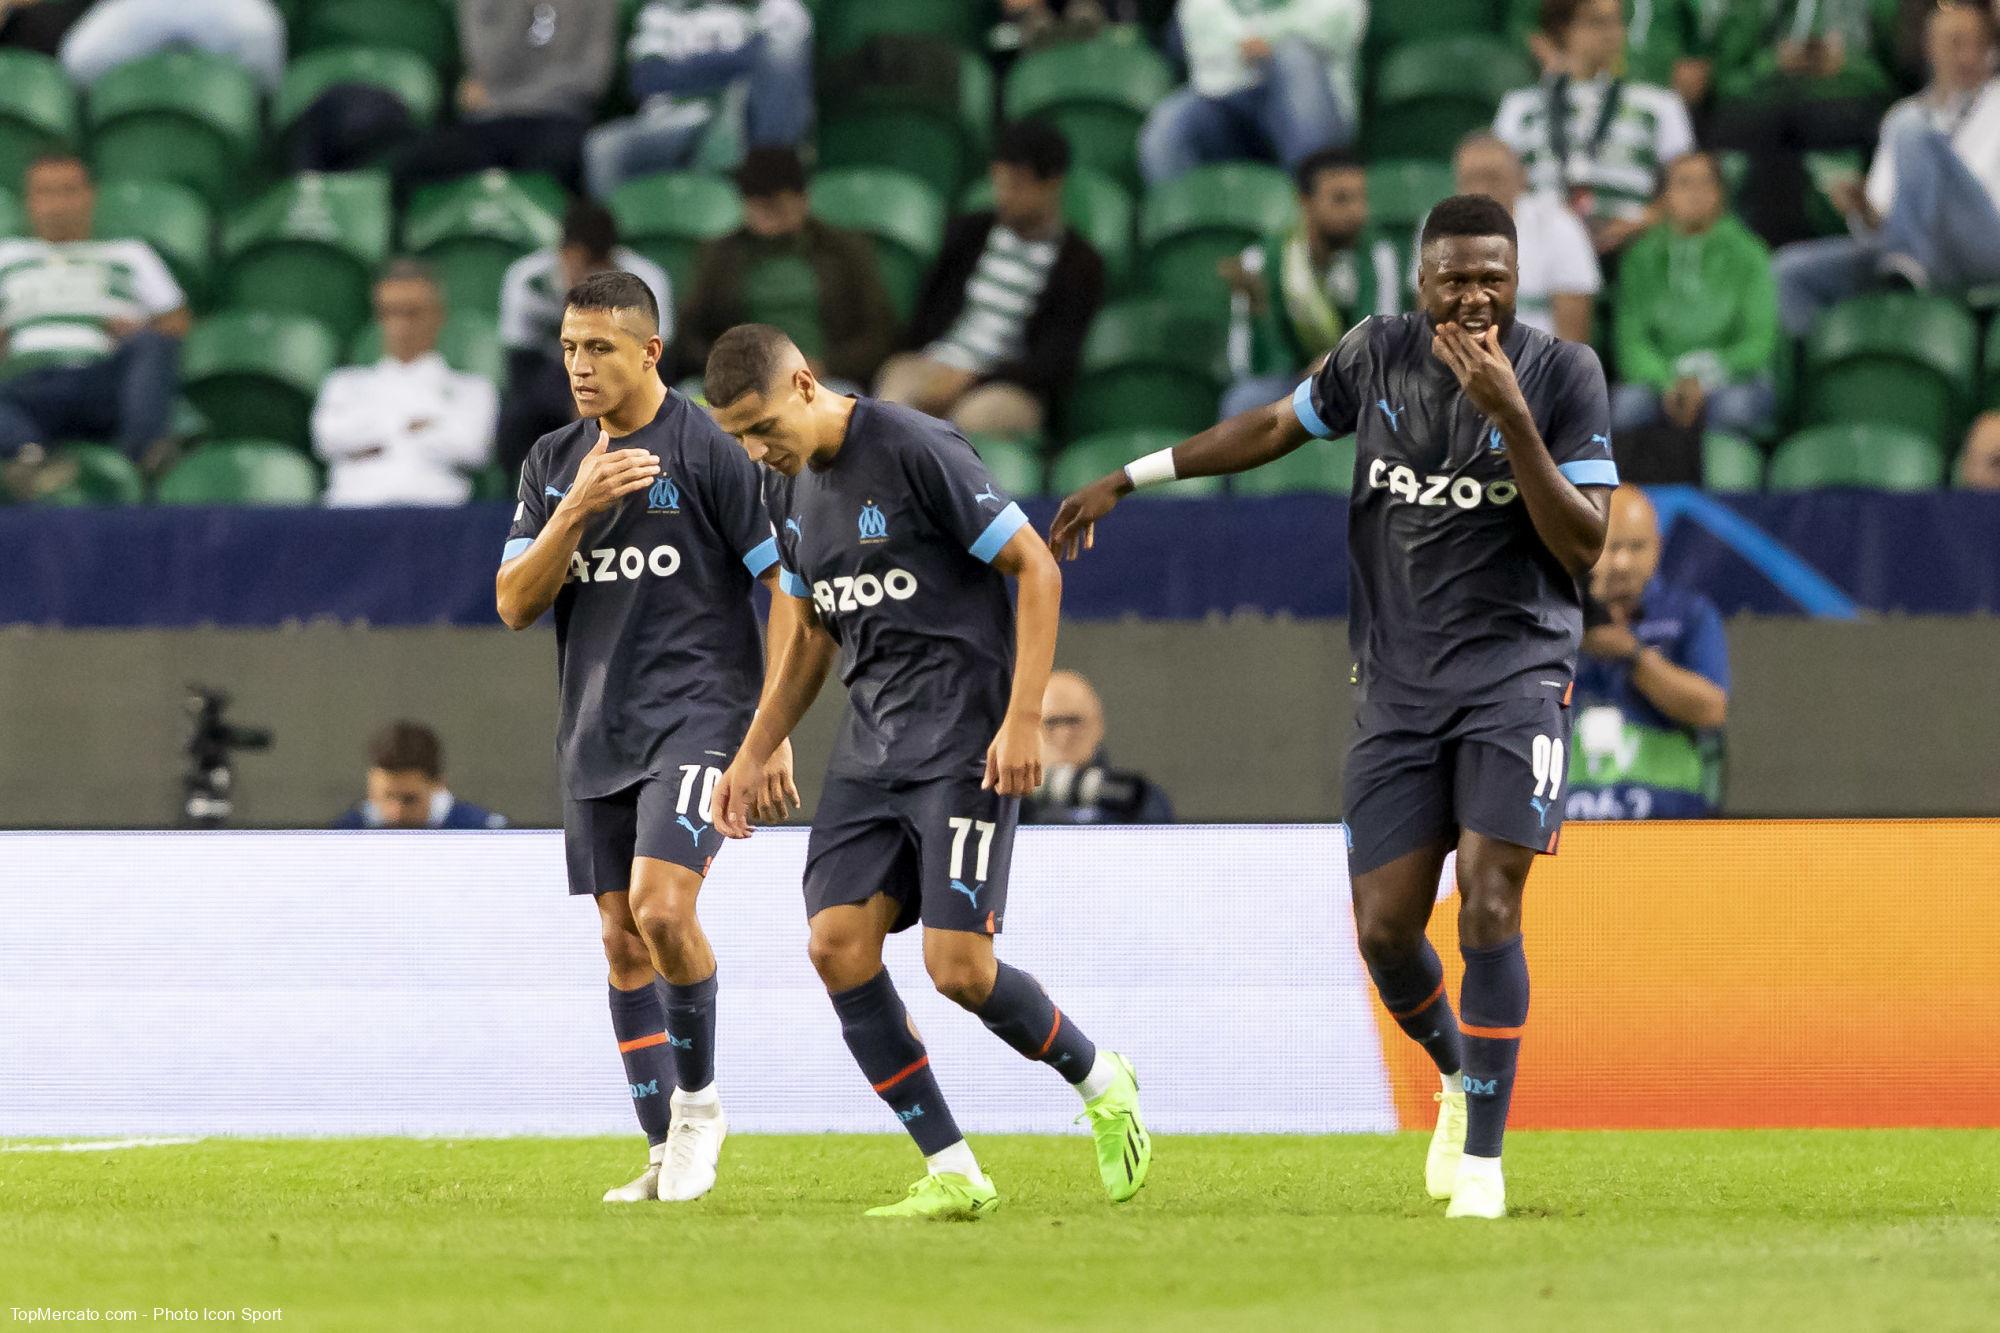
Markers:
(1831, 554)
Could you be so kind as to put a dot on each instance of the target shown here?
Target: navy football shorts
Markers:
(664, 817)
(941, 849)
(1416, 775)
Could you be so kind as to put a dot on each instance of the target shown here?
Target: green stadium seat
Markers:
(899, 213)
(104, 476)
(882, 125)
(13, 220)
(1320, 466)
(1429, 94)
(37, 112)
(1017, 465)
(1862, 454)
(1730, 463)
(842, 25)
(1188, 225)
(670, 215)
(1092, 457)
(254, 375)
(407, 76)
(310, 246)
(171, 218)
(1897, 358)
(469, 341)
(1401, 194)
(425, 28)
(183, 116)
(1097, 93)
(241, 472)
(492, 483)
(472, 229)
(1990, 398)
(1095, 205)
(1148, 363)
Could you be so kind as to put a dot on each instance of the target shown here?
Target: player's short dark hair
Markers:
(1468, 215)
(770, 171)
(1317, 164)
(407, 747)
(55, 157)
(744, 360)
(1034, 145)
(589, 226)
(1557, 15)
(614, 289)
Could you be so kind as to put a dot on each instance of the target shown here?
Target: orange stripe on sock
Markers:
(1498, 1034)
(902, 1074)
(1054, 1028)
(1428, 1002)
(641, 1043)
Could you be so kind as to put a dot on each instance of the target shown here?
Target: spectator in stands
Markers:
(1697, 316)
(1299, 290)
(537, 398)
(1652, 683)
(89, 333)
(1793, 77)
(712, 77)
(1929, 214)
(1036, 24)
(1270, 80)
(1559, 277)
(1589, 135)
(1079, 786)
(250, 32)
(406, 788)
(534, 73)
(1000, 321)
(38, 25)
(786, 268)
(407, 429)
(1979, 465)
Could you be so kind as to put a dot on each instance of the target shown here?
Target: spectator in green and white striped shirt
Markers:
(89, 331)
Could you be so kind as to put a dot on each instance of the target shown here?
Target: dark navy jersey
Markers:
(1454, 598)
(656, 637)
(893, 544)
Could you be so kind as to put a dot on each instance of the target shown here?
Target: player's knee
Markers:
(667, 923)
(966, 982)
(1489, 913)
(626, 952)
(841, 959)
(1385, 939)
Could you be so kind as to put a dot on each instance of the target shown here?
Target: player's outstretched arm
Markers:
(1014, 759)
(526, 586)
(798, 654)
(1246, 440)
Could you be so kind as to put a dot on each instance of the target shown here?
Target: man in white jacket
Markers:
(407, 429)
(1266, 79)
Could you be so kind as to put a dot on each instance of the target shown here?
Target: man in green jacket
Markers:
(1696, 314)
(1297, 291)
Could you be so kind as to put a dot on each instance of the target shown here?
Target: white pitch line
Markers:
(95, 1145)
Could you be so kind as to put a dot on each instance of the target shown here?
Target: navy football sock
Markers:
(1494, 1001)
(1413, 993)
(640, 1023)
(1020, 1013)
(691, 1032)
(877, 1029)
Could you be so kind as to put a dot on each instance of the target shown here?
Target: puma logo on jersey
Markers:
(850, 594)
(1392, 413)
(607, 564)
(988, 494)
(1438, 489)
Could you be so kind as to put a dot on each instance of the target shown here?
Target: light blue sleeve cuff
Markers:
(761, 556)
(514, 547)
(1004, 525)
(793, 585)
(1302, 405)
(1590, 472)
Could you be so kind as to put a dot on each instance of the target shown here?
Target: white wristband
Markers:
(1153, 469)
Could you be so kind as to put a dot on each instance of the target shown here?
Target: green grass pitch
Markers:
(1770, 1231)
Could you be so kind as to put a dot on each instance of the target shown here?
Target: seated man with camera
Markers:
(1079, 786)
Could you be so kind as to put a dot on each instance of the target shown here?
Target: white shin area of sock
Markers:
(957, 1158)
(1481, 1166)
(700, 1100)
(1098, 1081)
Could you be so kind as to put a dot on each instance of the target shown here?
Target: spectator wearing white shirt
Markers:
(1273, 79)
(1929, 213)
(407, 429)
(1559, 277)
(249, 32)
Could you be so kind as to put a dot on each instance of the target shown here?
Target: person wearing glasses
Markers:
(1079, 785)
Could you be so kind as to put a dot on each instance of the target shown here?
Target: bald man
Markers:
(1652, 686)
(1079, 785)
